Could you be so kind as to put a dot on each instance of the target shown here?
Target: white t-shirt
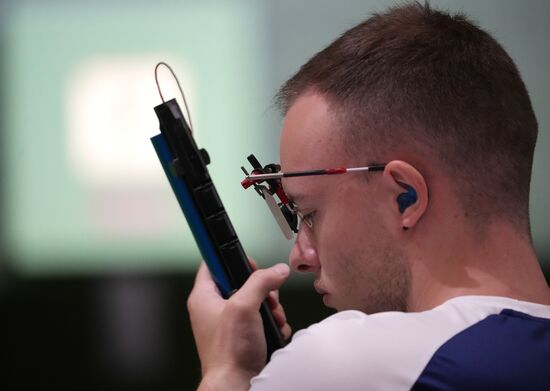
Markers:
(467, 343)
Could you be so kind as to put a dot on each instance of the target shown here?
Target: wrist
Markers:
(222, 379)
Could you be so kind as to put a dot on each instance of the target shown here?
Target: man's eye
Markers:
(307, 219)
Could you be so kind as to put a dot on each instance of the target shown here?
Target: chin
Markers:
(330, 302)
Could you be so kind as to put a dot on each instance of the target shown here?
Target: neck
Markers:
(503, 263)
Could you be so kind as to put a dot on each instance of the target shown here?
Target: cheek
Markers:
(342, 236)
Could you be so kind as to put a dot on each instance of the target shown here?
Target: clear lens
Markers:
(303, 219)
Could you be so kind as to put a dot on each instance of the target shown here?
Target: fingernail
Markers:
(282, 269)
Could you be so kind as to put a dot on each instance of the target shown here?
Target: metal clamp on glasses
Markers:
(267, 184)
(266, 181)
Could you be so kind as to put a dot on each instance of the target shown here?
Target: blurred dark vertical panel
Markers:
(103, 333)
(111, 333)
(128, 333)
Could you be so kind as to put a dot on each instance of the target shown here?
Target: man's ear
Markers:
(410, 192)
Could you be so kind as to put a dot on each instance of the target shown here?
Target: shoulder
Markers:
(351, 350)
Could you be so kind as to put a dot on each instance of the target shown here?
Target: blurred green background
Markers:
(82, 190)
(95, 253)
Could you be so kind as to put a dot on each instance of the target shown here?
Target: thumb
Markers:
(259, 284)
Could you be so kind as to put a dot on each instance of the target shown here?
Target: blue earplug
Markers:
(404, 200)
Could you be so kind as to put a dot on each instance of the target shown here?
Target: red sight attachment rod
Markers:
(253, 178)
(250, 179)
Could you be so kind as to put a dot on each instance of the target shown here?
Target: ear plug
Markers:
(404, 200)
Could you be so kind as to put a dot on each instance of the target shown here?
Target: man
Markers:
(429, 260)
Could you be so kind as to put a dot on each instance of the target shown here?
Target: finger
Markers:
(286, 331)
(203, 278)
(204, 286)
(253, 263)
(272, 300)
(279, 315)
(259, 284)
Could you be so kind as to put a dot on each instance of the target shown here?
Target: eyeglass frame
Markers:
(272, 175)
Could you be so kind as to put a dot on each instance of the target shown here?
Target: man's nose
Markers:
(303, 256)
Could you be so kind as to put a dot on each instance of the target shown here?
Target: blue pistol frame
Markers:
(185, 167)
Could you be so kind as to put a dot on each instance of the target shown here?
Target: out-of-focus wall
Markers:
(82, 191)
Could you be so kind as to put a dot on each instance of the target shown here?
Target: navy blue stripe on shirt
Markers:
(507, 351)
